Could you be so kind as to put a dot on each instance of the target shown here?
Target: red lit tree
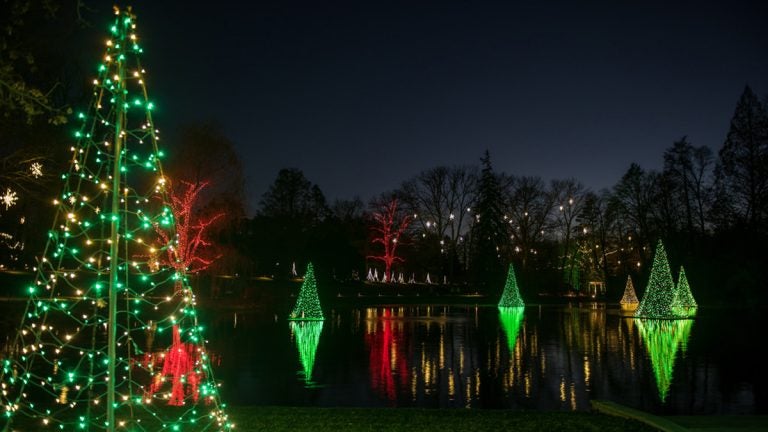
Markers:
(388, 226)
(192, 250)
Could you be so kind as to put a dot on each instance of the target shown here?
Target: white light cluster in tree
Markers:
(9, 198)
(36, 169)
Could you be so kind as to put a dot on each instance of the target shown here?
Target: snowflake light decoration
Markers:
(9, 198)
(36, 169)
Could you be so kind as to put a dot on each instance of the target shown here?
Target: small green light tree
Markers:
(660, 292)
(308, 304)
(511, 295)
(684, 304)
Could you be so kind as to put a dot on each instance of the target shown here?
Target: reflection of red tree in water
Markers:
(386, 356)
(179, 365)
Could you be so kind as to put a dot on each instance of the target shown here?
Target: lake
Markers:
(542, 357)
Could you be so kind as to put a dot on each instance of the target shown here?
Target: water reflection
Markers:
(307, 337)
(422, 354)
(545, 357)
(662, 339)
(511, 318)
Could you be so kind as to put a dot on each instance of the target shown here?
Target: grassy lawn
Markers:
(386, 419)
(411, 420)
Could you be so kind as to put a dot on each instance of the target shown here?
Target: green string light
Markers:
(308, 304)
(511, 296)
(660, 292)
(684, 304)
(307, 336)
(511, 320)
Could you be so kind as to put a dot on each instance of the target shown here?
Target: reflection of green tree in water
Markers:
(511, 321)
(307, 336)
(662, 339)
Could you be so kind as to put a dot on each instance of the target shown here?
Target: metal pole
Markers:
(114, 238)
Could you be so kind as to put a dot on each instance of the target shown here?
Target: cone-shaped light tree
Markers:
(684, 304)
(511, 320)
(511, 295)
(660, 292)
(308, 304)
(307, 337)
(629, 299)
(98, 299)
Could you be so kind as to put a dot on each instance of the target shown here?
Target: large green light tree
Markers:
(82, 358)
(660, 292)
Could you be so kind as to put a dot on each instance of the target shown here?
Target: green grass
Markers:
(725, 423)
(412, 420)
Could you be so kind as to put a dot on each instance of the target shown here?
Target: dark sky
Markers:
(363, 95)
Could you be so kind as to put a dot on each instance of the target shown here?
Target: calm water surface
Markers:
(545, 357)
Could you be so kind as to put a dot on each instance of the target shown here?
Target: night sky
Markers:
(363, 95)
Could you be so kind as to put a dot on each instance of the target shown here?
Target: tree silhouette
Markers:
(489, 232)
(742, 168)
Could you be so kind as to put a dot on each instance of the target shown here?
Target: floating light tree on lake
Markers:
(99, 289)
(308, 304)
(663, 299)
(660, 291)
(511, 295)
(684, 304)
(629, 300)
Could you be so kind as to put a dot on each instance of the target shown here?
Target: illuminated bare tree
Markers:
(192, 251)
(389, 223)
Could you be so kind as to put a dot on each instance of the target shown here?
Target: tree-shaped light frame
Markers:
(98, 292)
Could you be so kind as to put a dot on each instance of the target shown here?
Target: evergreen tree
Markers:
(83, 358)
(741, 173)
(308, 304)
(489, 233)
(660, 292)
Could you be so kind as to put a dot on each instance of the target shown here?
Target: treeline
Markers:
(468, 222)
